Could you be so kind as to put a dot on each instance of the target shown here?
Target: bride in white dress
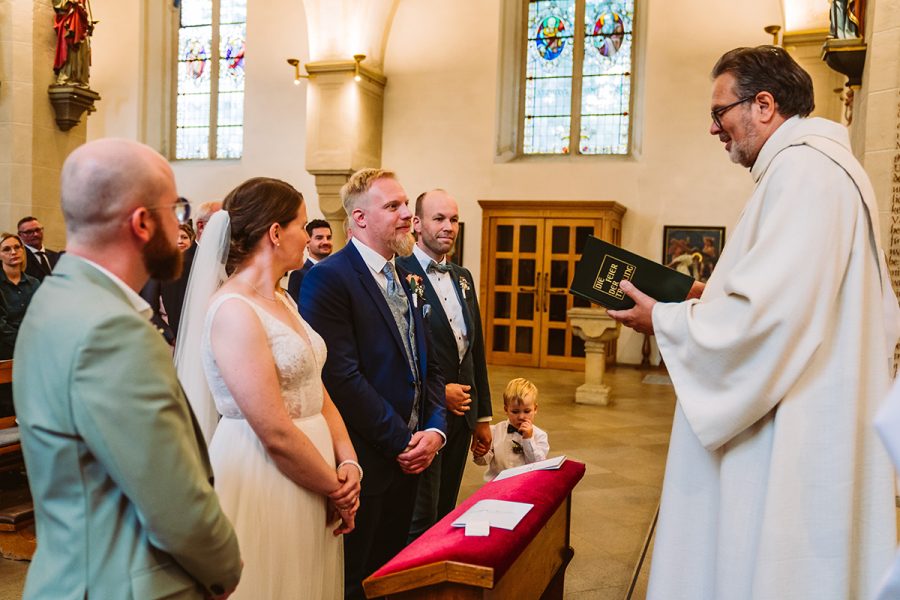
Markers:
(285, 470)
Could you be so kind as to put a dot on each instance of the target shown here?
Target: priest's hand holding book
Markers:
(640, 317)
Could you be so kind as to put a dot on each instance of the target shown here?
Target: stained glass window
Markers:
(210, 102)
(578, 77)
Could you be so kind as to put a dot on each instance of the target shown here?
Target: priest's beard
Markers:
(745, 152)
(402, 245)
(162, 258)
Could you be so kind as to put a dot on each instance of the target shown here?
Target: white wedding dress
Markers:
(287, 547)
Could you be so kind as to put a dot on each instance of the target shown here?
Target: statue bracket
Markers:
(846, 56)
(69, 103)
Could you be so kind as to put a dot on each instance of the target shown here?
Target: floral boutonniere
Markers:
(415, 286)
(517, 447)
(464, 286)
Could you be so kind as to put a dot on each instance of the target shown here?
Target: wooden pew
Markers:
(17, 536)
(526, 563)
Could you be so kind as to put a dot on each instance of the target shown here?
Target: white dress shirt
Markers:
(446, 291)
(502, 455)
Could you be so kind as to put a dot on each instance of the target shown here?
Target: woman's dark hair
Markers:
(253, 207)
(769, 69)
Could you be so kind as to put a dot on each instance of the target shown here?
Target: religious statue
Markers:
(74, 26)
(847, 19)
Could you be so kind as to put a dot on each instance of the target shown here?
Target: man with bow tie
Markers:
(455, 325)
(39, 261)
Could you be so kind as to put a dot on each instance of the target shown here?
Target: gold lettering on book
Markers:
(610, 274)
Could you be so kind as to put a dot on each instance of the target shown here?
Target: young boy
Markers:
(516, 440)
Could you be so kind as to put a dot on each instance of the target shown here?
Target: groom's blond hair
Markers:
(359, 184)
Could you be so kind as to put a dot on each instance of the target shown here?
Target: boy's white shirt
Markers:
(501, 455)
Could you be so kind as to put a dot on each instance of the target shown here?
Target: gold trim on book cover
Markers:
(607, 280)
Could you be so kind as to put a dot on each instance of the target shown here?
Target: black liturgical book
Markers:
(604, 265)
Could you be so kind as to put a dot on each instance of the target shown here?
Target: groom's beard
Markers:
(162, 259)
(402, 245)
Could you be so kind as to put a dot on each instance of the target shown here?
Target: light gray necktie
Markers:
(399, 305)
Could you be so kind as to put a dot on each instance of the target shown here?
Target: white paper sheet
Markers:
(498, 513)
(543, 465)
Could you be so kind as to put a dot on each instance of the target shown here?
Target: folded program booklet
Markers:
(603, 266)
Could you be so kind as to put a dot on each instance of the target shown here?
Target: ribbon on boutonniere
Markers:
(464, 286)
(415, 286)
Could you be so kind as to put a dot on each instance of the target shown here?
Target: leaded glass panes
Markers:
(548, 77)
(580, 47)
(606, 76)
(210, 97)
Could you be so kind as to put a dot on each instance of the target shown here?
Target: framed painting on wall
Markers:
(693, 250)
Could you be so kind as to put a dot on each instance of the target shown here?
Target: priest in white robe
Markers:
(776, 485)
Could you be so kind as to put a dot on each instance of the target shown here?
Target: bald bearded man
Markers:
(122, 486)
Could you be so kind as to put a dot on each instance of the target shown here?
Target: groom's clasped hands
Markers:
(421, 450)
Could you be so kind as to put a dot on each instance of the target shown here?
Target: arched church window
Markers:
(209, 122)
(577, 92)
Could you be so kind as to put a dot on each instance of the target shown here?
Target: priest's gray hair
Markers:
(769, 69)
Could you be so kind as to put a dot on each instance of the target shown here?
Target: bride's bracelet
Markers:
(355, 464)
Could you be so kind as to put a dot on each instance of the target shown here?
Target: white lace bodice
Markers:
(299, 367)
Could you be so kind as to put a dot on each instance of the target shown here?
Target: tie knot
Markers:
(388, 271)
(440, 268)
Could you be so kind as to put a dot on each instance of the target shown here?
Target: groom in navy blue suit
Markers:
(379, 371)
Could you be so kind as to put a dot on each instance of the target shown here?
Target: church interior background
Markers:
(448, 95)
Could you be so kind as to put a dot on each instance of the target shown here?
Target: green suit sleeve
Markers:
(133, 416)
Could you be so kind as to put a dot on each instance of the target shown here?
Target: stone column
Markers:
(344, 121)
(32, 148)
(596, 329)
(344, 114)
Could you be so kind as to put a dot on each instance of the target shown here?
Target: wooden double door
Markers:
(528, 260)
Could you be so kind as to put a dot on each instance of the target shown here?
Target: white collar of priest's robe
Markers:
(791, 130)
(139, 304)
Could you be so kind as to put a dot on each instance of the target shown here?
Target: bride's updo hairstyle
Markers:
(253, 207)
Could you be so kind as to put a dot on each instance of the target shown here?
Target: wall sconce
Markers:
(358, 58)
(773, 31)
(297, 76)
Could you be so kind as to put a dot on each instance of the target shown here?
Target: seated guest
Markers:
(204, 212)
(39, 261)
(16, 289)
(517, 440)
(318, 248)
(186, 237)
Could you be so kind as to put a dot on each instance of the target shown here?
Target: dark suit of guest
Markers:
(172, 295)
(439, 484)
(369, 378)
(296, 279)
(35, 267)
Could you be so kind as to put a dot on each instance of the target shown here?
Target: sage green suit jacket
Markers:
(118, 469)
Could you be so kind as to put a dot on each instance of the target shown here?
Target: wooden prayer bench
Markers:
(17, 536)
(528, 562)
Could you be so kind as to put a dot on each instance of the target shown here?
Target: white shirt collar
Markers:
(33, 249)
(424, 259)
(311, 259)
(373, 259)
(139, 304)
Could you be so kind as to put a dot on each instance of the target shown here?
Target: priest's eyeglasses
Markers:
(180, 207)
(717, 113)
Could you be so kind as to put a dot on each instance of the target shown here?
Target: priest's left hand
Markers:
(420, 452)
(640, 316)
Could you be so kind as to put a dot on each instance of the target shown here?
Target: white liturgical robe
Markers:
(776, 485)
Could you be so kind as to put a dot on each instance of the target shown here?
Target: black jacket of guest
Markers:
(172, 294)
(34, 267)
(16, 299)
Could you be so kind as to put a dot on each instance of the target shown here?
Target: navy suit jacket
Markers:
(472, 369)
(366, 373)
(296, 278)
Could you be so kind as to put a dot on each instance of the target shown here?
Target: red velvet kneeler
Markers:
(443, 542)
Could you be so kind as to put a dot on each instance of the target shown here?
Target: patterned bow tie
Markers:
(440, 268)
(511, 429)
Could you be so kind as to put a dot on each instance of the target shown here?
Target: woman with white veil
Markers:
(283, 462)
